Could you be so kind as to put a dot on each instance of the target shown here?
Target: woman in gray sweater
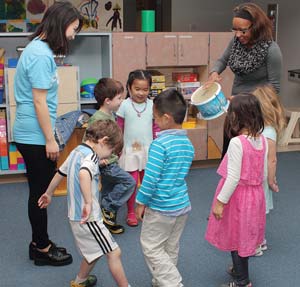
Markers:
(252, 55)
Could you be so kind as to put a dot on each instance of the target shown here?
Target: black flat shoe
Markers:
(53, 257)
(32, 249)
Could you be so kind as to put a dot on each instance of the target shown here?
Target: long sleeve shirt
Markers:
(164, 187)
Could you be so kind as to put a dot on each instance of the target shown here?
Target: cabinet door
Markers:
(68, 94)
(68, 87)
(218, 43)
(198, 137)
(161, 49)
(128, 54)
(192, 49)
(10, 74)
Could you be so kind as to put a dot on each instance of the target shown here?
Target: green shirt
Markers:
(101, 116)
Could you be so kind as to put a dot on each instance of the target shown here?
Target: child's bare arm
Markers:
(45, 198)
(85, 186)
(272, 162)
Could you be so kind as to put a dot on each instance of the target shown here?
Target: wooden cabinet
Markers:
(198, 137)
(68, 94)
(218, 43)
(177, 49)
(128, 54)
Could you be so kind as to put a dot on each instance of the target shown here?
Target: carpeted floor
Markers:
(200, 264)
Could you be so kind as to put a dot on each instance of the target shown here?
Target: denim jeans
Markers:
(240, 267)
(117, 186)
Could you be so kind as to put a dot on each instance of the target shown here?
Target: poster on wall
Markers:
(273, 16)
(22, 15)
(101, 15)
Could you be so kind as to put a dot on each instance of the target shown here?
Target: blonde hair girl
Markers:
(274, 121)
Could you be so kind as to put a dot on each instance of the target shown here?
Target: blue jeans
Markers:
(117, 186)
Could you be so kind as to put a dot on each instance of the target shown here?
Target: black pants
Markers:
(240, 267)
(40, 171)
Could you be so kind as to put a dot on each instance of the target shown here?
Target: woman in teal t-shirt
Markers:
(35, 88)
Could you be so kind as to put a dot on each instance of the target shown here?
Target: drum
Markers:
(210, 102)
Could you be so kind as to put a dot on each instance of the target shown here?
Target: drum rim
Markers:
(207, 101)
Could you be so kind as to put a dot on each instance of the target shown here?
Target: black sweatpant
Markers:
(40, 171)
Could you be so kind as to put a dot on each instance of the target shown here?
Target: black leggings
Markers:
(40, 171)
(240, 267)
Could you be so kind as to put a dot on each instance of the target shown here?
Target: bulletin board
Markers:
(101, 15)
(22, 15)
(25, 15)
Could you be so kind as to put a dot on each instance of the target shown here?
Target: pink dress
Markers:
(242, 227)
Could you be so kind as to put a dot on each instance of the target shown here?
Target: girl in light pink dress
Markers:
(237, 219)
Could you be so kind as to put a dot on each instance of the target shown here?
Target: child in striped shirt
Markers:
(162, 201)
(92, 238)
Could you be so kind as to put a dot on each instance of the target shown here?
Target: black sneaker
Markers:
(115, 229)
(53, 257)
(32, 249)
(109, 217)
(110, 221)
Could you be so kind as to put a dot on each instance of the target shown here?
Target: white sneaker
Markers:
(258, 252)
(264, 245)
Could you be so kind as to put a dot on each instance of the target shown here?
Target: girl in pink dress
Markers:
(237, 219)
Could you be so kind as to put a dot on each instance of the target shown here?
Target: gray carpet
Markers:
(200, 264)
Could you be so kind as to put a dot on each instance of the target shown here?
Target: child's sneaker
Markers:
(233, 284)
(110, 221)
(89, 282)
(258, 252)
(264, 245)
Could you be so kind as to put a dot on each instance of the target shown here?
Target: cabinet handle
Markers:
(186, 36)
(174, 50)
(128, 37)
(170, 36)
(181, 50)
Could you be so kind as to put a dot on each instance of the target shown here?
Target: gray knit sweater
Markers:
(269, 73)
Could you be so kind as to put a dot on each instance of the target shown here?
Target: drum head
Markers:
(202, 95)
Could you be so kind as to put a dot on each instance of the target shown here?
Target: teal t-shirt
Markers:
(36, 69)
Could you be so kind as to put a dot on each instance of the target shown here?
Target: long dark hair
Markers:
(138, 75)
(55, 22)
(244, 114)
(261, 25)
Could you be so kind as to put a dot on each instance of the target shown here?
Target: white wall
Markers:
(216, 16)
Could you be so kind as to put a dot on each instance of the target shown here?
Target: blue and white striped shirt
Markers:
(82, 157)
(164, 188)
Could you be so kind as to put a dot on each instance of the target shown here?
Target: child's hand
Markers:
(218, 210)
(86, 211)
(44, 200)
(274, 187)
(139, 211)
(103, 162)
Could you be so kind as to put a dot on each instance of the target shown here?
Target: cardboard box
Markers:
(158, 86)
(184, 77)
(188, 84)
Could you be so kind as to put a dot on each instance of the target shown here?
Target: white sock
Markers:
(79, 280)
